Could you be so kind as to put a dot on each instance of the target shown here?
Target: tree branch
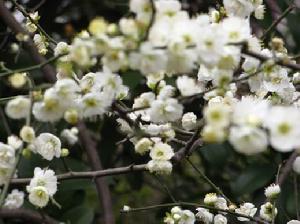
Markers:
(286, 169)
(11, 22)
(88, 174)
(26, 215)
(101, 185)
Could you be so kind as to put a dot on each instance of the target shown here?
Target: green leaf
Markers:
(79, 215)
(254, 177)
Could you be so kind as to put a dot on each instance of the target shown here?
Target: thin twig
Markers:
(26, 14)
(206, 178)
(296, 196)
(193, 205)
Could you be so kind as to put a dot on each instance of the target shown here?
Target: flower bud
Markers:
(26, 153)
(27, 134)
(71, 116)
(64, 152)
(17, 80)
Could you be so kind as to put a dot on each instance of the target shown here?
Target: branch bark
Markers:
(13, 24)
(26, 215)
(88, 174)
(102, 187)
(288, 166)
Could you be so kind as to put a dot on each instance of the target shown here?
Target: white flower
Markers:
(161, 151)
(204, 215)
(48, 146)
(61, 48)
(210, 199)
(217, 114)
(167, 7)
(284, 130)
(159, 166)
(69, 136)
(142, 8)
(165, 110)
(189, 121)
(126, 208)
(272, 191)
(236, 29)
(41, 43)
(221, 203)
(14, 200)
(293, 222)
(129, 27)
(187, 217)
(251, 111)
(7, 156)
(50, 109)
(213, 133)
(220, 219)
(18, 107)
(247, 209)
(45, 179)
(95, 104)
(27, 134)
(241, 8)
(266, 212)
(14, 142)
(144, 100)
(296, 165)
(248, 140)
(143, 145)
(188, 86)
(39, 196)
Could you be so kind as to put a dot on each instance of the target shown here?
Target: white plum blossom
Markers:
(39, 196)
(43, 178)
(161, 151)
(272, 191)
(189, 121)
(268, 212)
(293, 222)
(248, 140)
(284, 131)
(165, 110)
(48, 146)
(14, 200)
(247, 209)
(188, 86)
(220, 219)
(18, 107)
(204, 215)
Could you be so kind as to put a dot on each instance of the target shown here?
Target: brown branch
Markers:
(287, 167)
(26, 215)
(11, 22)
(101, 185)
(276, 16)
(88, 174)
